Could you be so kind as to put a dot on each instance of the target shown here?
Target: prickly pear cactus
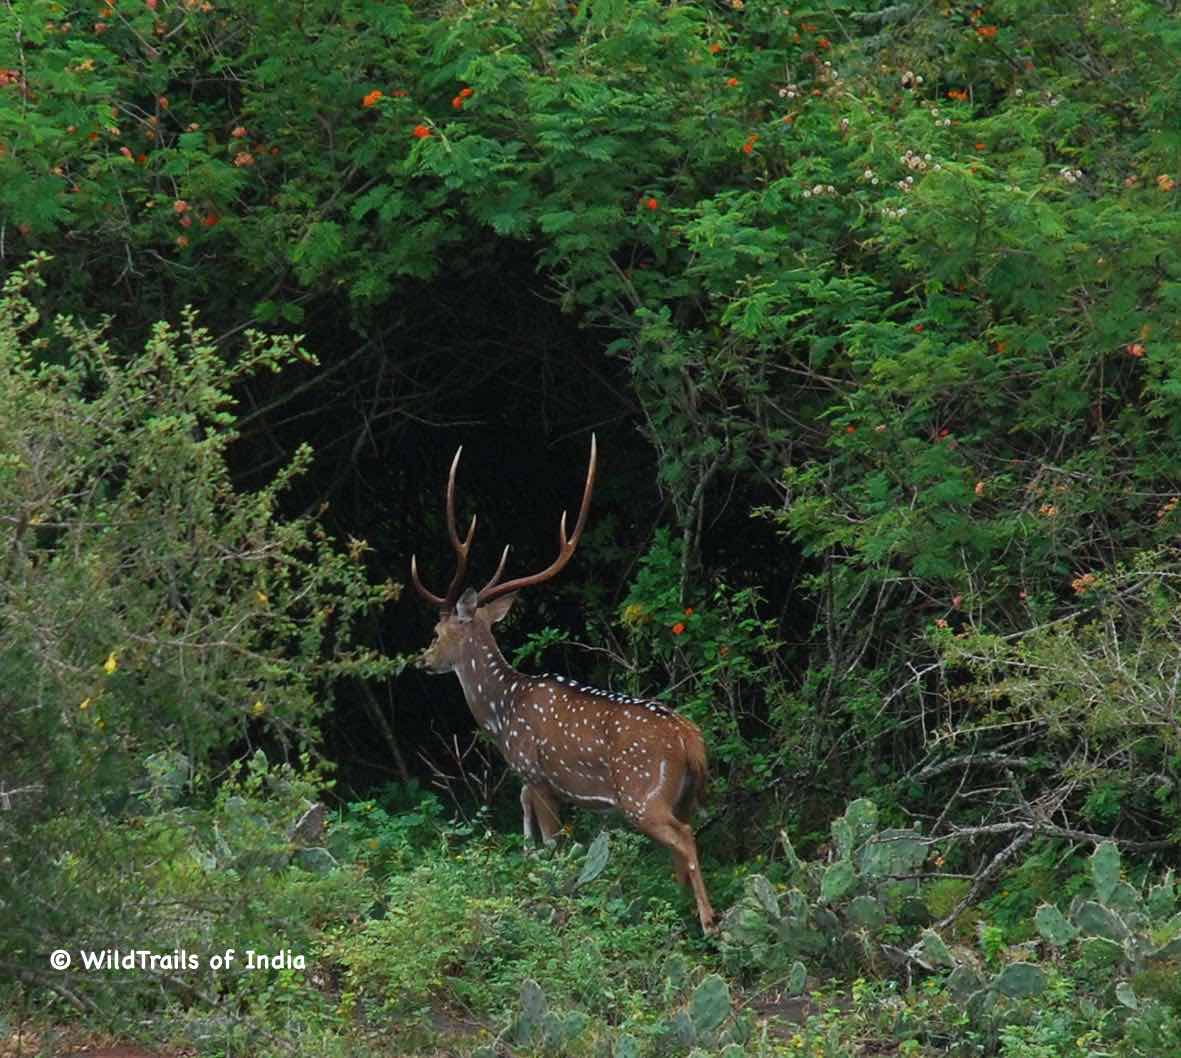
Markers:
(528, 1025)
(626, 1047)
(709, 1006)
(832, 912)
(1020, 980)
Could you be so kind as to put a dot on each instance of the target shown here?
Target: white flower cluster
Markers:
(818, 190)
(919, 163)
(893, 214)
(1071, 176)
(940, 120)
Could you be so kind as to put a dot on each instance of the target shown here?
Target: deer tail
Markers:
(696, 771)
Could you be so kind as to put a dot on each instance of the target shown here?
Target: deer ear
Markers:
(499, 608)
(465, 608)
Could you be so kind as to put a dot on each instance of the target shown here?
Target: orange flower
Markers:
(243, 159)
(688, 611)
(714, 48)
(986, 32)
(732, 82)
(652, 203)
(749, 146)
(1136, 349)
(421, 132)
(960, 95)
(182, 241)
(180, 206)
(465, 93)
(679, 628)
(239, 132)
(372, 98)
(823, 43)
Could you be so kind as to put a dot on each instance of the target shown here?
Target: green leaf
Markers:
(596, 860)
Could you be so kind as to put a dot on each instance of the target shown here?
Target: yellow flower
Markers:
(111, 664)
(85, 704)
(258, 708)
(262, 598)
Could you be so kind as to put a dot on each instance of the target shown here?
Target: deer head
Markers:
(568, 742)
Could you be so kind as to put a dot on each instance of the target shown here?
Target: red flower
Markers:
(732, 82)
(689, 611)
(421, 132)
(372, 98)
(652, 203)
(824, 42)
(918, 328)
(679, 628)
(457, 102)
(986, 32)
(464, 93)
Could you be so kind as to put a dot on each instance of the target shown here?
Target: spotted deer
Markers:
(568, 742)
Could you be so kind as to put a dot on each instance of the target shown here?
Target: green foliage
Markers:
(719, 653)
(150, 615)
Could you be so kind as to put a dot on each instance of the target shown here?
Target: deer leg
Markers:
(670, 832)
(541, 813)
(528, 824)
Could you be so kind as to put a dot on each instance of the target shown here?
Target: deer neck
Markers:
(487, 680)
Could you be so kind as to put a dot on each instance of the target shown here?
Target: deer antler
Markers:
(461, 548)
(494, 590)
